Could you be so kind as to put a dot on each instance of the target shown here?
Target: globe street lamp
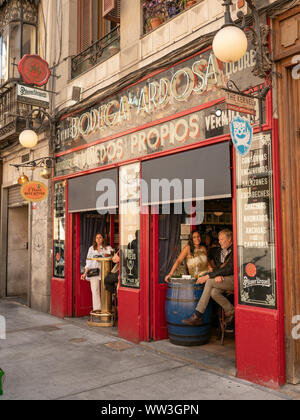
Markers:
(28, 137)
(230, 43)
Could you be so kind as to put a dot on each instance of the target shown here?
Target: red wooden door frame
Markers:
(158, 325)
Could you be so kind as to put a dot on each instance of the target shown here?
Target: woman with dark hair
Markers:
(92, 271)
(195, 255)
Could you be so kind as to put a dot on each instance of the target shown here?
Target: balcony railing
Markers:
(98, 52)
(10, 125)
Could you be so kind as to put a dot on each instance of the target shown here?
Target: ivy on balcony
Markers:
(156, 12)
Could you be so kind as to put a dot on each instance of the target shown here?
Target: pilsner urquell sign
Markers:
(34, 191)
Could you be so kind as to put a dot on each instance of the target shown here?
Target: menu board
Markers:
(59, 230)
(255, 224)
(129, 210)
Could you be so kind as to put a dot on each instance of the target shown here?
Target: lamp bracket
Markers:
(37, 163)
(259, 36)
(259, 94)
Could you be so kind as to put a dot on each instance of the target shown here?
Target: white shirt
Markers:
(93, 253)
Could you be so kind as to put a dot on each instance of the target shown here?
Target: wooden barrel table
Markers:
(182, 298)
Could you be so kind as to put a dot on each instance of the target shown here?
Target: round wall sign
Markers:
(34, 70)
(34, 191)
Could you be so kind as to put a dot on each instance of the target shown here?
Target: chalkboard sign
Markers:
(255, 225)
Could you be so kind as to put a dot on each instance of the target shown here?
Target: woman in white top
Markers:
(99, 248)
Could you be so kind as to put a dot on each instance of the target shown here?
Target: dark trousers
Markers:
(111, 281)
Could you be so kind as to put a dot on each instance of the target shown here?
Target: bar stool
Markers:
(222, 326)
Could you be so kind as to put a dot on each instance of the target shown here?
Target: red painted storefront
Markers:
(260, 355)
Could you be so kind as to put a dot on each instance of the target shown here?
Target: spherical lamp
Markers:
(28, 139)
(23, 179)
(46, 172)
(230, 44)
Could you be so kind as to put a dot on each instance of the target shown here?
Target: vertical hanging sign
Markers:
(255, 224)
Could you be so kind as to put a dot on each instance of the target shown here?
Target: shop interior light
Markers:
(218, 213)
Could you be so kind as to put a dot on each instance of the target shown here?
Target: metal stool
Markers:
(222, 325)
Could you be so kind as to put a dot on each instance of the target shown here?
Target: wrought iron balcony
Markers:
(98, 52)
(10, 108)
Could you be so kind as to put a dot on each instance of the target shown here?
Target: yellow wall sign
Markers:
(34, 191)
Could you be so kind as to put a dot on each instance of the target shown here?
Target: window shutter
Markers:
(85, 29)
(114, 13)
(108, 6)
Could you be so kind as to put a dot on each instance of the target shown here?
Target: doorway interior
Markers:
(17, 280)
(169, 234)
(85, 226)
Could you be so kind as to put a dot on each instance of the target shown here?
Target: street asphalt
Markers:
(46, 358)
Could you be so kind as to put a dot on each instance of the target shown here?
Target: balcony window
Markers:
(18, 32)
(156, 12)
(98, 33)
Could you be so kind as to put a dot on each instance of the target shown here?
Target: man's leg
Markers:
(210, 289)
(216, 290)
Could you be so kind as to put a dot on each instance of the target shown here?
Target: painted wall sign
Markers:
(191, 83)
(241, 134)
(34, 191)
(34, 70)
(255, 225)
(33, 96)
(193, 128)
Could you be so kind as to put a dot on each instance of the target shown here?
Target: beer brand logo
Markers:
(34, 70)
(242, 135)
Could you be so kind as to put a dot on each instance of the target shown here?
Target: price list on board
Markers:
(255, 224)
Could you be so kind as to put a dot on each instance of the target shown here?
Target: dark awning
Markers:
(98, 191)
(211, 164)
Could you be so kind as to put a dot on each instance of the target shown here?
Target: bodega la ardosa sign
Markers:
(190, 83)
(34, 191)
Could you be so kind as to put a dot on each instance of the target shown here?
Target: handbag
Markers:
(93, 272)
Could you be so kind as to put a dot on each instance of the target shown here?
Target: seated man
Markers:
(216, 282)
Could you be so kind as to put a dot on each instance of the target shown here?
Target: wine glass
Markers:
(130, 265)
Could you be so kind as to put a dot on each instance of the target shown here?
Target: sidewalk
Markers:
(44, 357)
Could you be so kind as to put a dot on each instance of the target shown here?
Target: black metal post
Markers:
(227, 14)
(21, 28)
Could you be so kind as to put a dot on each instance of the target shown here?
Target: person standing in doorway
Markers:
(92, 271)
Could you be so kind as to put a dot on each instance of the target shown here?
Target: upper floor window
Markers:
(98, 34)
(156, 12)
(96, 19)
(18, 35)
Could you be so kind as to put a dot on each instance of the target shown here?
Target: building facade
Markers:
(134, 103)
